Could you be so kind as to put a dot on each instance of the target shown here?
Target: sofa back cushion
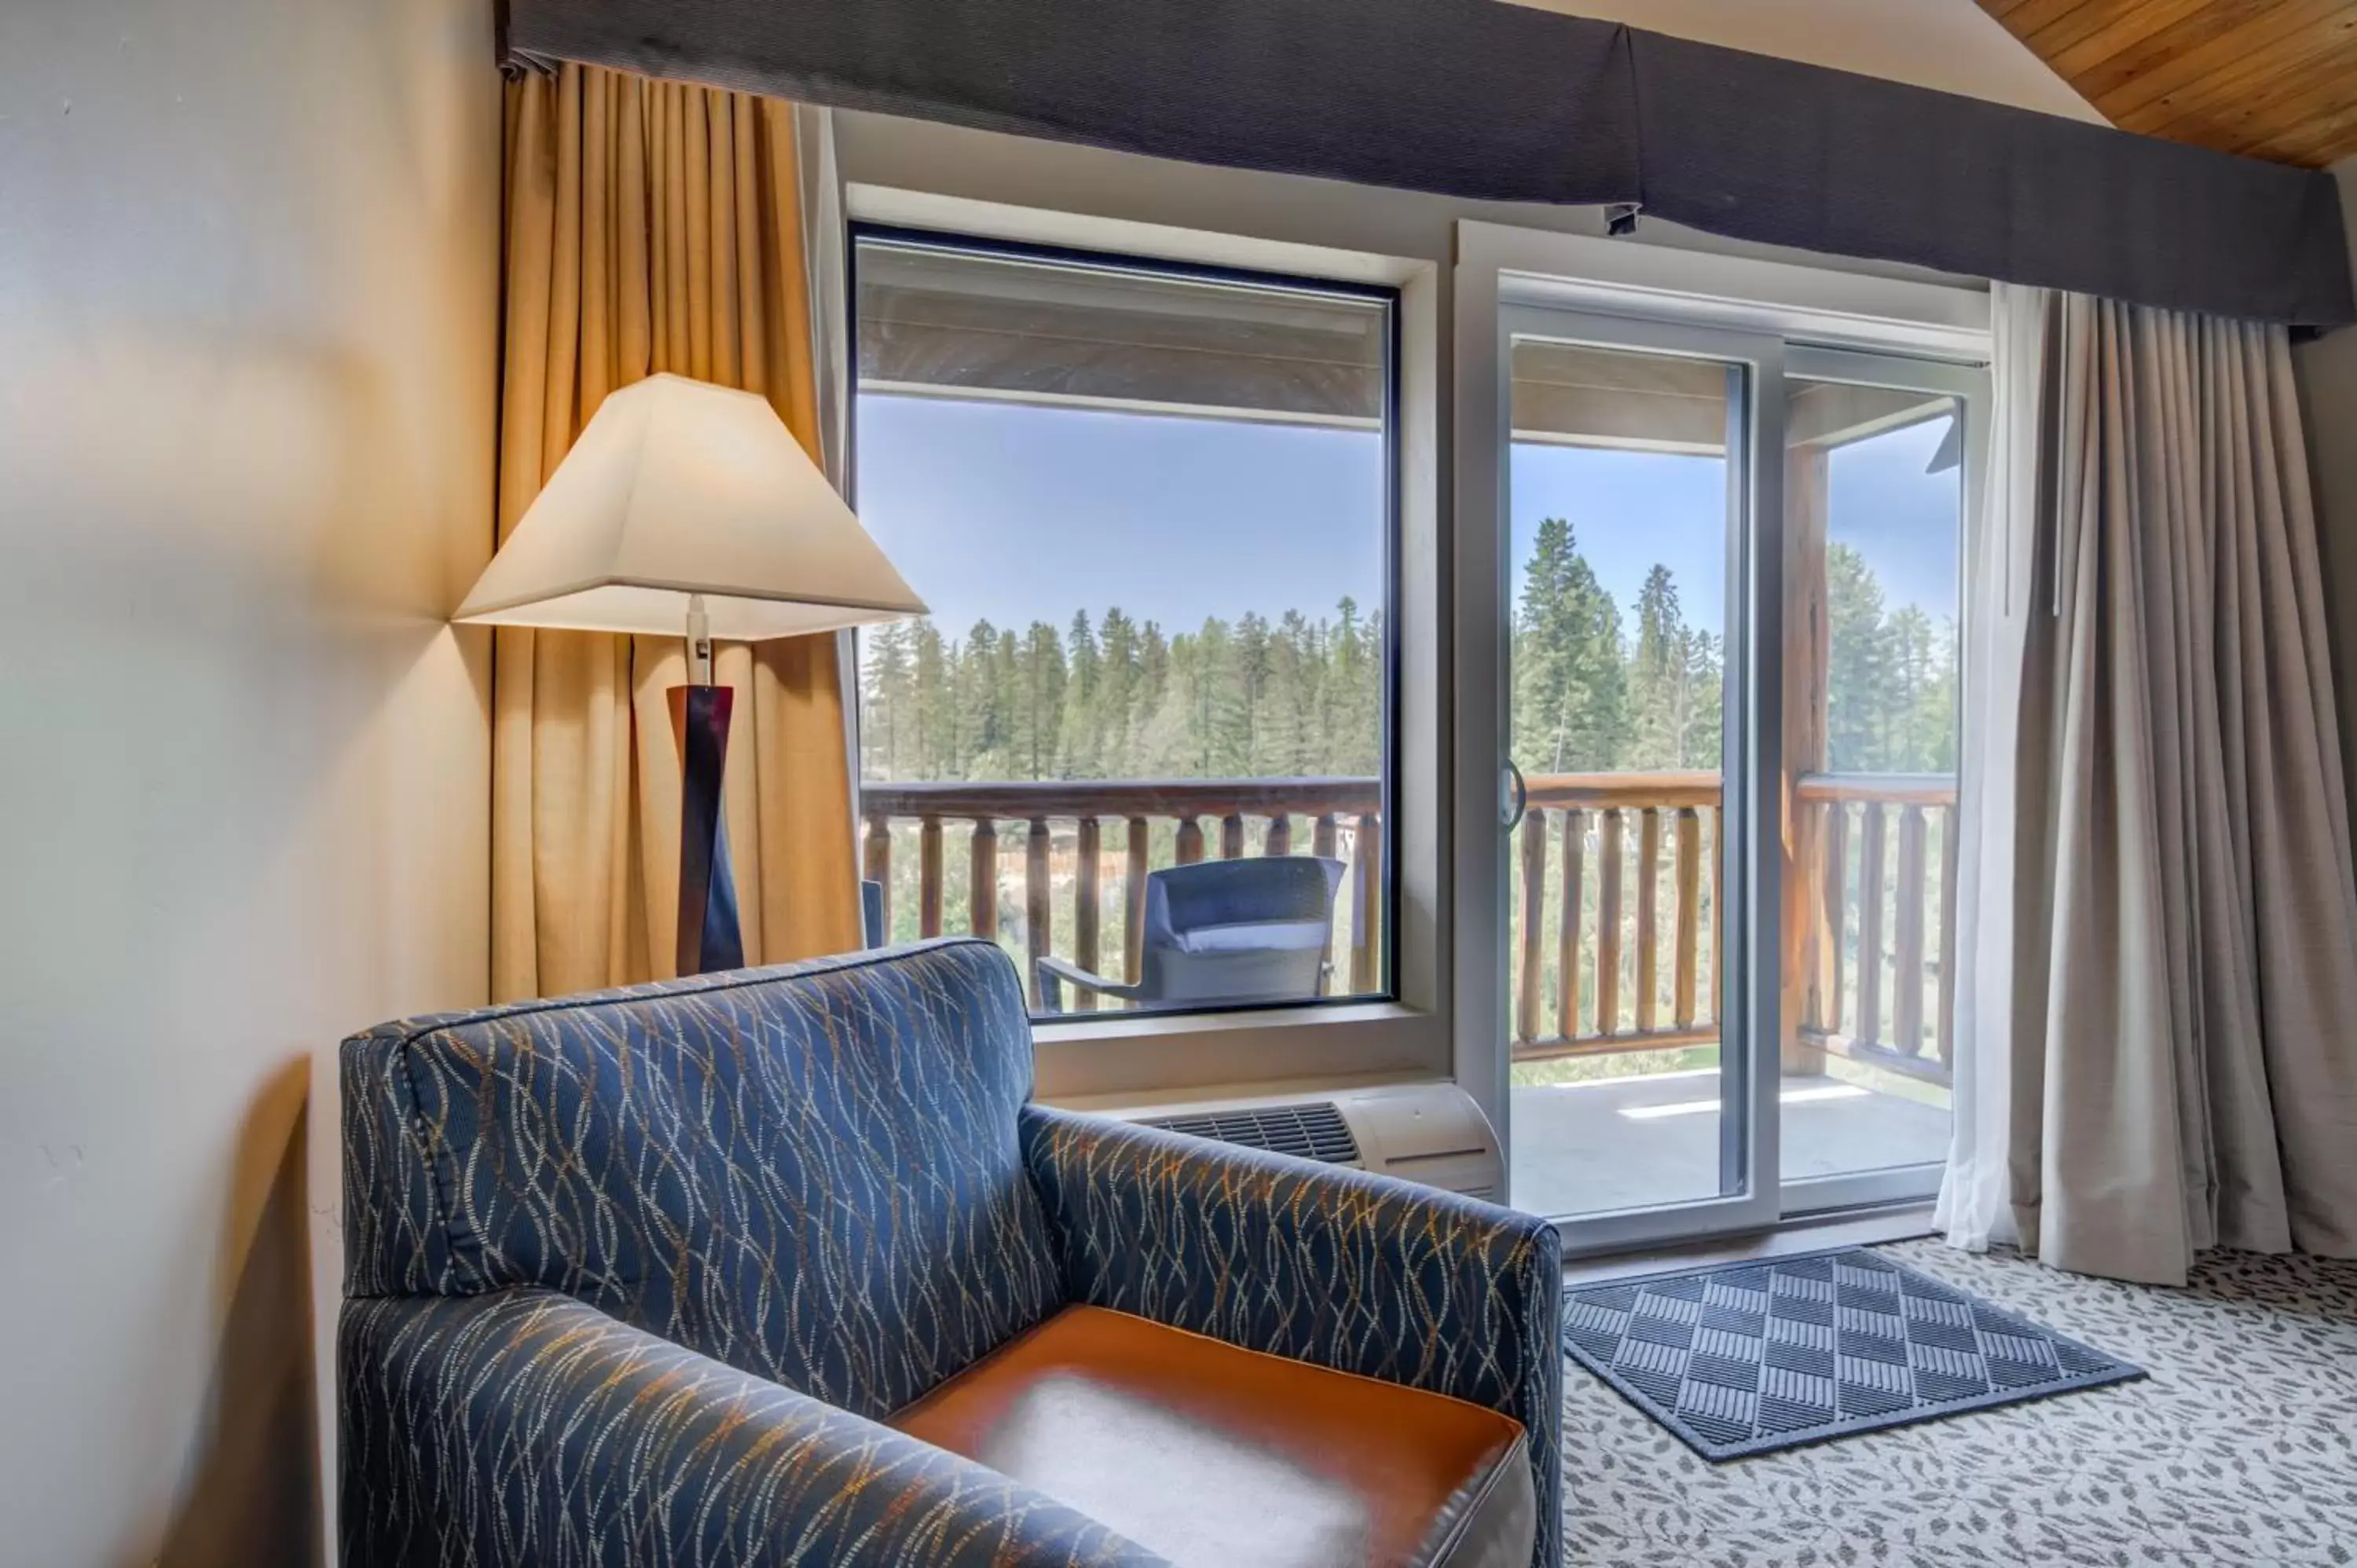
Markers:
(809, 1172)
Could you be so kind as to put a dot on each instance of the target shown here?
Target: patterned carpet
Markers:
(2240, 1448)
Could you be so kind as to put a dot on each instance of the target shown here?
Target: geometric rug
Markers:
(1751, 1358)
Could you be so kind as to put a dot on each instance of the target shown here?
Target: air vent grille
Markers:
(1315, 1132)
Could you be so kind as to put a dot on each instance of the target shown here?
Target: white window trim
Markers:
(1498, 268)
(1121, 1053)
(1815, 305)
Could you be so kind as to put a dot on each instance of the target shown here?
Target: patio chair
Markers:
(1223, 930)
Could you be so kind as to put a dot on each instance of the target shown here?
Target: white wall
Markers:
(2328, 377)
(248, 259)
(1951, 45)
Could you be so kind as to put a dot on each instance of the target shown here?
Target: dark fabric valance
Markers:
(1484, 100)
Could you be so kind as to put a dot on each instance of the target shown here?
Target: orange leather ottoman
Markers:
(1221, 1458)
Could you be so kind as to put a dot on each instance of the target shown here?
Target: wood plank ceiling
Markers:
(2274, 78)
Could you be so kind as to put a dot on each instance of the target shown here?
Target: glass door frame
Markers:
(1643, 298)
(1969, 386)
(1750, 774)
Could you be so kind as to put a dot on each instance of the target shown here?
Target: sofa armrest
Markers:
(1359, 1272)
(525, 1429)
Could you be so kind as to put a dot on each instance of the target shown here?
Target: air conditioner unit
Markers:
(1427, 1132)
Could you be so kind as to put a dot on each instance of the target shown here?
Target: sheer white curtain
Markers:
(2157, 989)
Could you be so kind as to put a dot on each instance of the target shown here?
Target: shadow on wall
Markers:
(253, 1495)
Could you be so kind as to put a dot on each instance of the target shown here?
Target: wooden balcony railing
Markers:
(1616, 946)
(1062, 827)
(1856, 921)
(1588, 916)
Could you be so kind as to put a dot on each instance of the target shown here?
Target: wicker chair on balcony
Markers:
(1222, 931)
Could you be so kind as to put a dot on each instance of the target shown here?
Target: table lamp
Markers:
(689, 509)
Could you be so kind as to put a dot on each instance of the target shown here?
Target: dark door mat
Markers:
(1744, 1359)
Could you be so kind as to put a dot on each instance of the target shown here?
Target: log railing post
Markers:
(1689, 950)
(1190, 841)
(1803, 661)
(1566, 946)
(928, 877)
(1607, 926)
(1649, 920)
(1038, 904)
(1322, 836)
(1232, 836)
(1084, 910)
(877, 867)
(1869, 927)
(1278, 840)
(982, 880)
(1532, 905)
(1907, 936)
(1366, 904)
(1133, 903)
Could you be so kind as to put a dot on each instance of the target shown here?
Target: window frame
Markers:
(1204, 1030)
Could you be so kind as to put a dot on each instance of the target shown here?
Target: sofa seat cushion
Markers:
(1209, 1454)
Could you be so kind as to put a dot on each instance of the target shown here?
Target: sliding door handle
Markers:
(1514, 798)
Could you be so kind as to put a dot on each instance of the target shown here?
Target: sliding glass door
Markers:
(1639, 520)
(1732, 614)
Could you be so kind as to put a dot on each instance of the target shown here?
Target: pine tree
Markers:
(977, 702)
(932, 677)
(1153, 685)
(1704, 739)
(886, 708)
(1859, 670)
(1037, 675)
(1570, 706)
(1909, 742)
(1253, 667)
(1080, 745)
(1118, 681)
(1660, 676)
(1294, 668)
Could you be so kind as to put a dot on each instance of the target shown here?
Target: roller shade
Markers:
(1487, 101)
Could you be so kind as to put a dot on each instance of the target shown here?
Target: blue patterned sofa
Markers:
(781, 1267)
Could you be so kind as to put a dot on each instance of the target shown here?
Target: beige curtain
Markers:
(2158, 986)
(652, 226)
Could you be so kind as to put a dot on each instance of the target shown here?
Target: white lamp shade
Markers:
(678, 488)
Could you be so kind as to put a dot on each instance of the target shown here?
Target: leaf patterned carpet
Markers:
(2241, 1447)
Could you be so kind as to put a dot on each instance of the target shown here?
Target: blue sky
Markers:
(1019, 512)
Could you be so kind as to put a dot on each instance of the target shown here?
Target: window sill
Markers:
(1129, 1054)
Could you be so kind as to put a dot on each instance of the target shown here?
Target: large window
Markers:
(1142, 739)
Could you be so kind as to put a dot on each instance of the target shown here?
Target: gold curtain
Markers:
(652, 226)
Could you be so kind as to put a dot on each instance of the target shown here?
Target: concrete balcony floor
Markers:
(1632, 1142)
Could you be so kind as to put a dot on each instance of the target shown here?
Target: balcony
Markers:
(1616, 953)
(1050, 839)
